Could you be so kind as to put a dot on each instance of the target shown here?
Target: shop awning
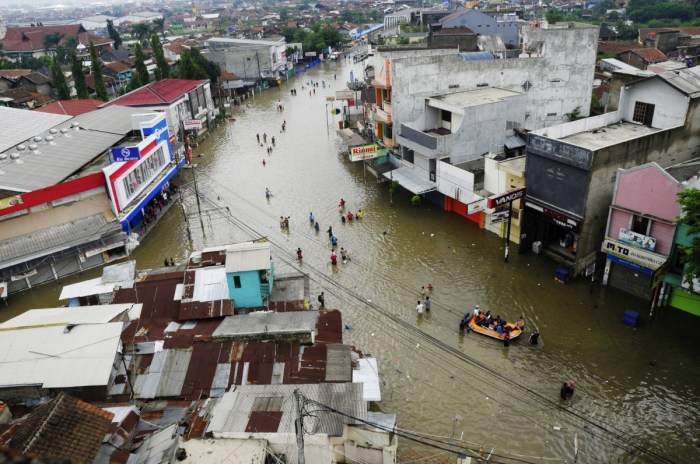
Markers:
(136, 209)
(351, 138)
(513, 141)
(409, 179)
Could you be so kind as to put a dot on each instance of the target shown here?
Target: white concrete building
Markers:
(249, 58)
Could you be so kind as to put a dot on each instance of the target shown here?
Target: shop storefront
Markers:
(551, 230)
(630, 268)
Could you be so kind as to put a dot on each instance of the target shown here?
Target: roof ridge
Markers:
(153, 91)
(54, 408)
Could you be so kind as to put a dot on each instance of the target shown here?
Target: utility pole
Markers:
(299, 427)
(510, 214)
(196, 193)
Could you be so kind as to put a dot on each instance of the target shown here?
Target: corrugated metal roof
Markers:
(210, 284)
(230, 415)
(472, 56)
(410, 180)
(113, 119)
(54, 358)
(122, 273)
(338, 363)
(247, 256)
(368, 375)
(513, 141)
(20, 125)
(99, 314)
(221, 380)
(159, 447)
(166, 374)
(267, 324)
(686, 80)
(384, 421)
(61, 237)
(94, 286)
(55, 161)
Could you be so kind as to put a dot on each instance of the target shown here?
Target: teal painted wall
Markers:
(248, 296)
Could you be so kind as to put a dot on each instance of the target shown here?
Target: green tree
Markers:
(159, 25)
(284, 14)
(142, 77)
(51, 40)
(100, 87)
(162, 66)
(79, 76)
(690, 206)
(59, 80)
(140, 31)
(208, 69)
(114, 34)
(188, 68)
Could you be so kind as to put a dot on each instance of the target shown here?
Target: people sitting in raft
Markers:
(520, 324)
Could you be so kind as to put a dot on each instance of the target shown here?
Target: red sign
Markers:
(504, 198)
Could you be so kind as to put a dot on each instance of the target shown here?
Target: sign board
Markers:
(499, 216)
(637, 240)
(189, 124)
(590, 270)
(633, 254)
(504, 198)
(121, 154)
(330, 99)
(310, 54)
(344, 94)
(476, 206)
(364, 152)
(157, 126)
(11, 201)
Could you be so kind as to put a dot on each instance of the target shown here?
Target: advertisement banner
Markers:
(310, 54)
(633, 254)
(190, 124)
(499, 216)
(640, 241)
(503, 198)
(344, 94)
(11, 201)
(121, 154)
(364, 152)
(158, 126)
(476, 206)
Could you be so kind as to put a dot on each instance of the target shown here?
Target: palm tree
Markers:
(159, 25)
(140, 31)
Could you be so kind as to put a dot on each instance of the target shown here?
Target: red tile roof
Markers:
(24, 39)
(161, 92)
(645, 32)
(71, 107)
(14, 73)
(118, 66)
(616, 47)
(65, 427)
(651, 55)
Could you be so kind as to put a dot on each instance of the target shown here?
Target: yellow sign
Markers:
(364, 152)
(11, 201)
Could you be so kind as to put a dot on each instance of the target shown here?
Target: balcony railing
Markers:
(421, 138)
(387, 107)
(382, 116)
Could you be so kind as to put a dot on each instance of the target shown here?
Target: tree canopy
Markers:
(142, 77)
(690, 206)
(162, 66)
(81, 88)
(58, 79)
(100, 87)
(114, 34)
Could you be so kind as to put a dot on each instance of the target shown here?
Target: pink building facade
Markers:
(640, 229)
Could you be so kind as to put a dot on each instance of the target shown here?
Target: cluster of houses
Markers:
(215, 359)
(464, 126)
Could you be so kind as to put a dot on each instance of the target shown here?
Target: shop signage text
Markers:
(120, 154)
(637, 240)
(364, 152)
(499, 216)
(633, 254)
(502, 199)
(189, 124)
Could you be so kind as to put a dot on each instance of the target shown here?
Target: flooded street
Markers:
(638, 390)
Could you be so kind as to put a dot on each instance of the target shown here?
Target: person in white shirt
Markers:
(420, 308)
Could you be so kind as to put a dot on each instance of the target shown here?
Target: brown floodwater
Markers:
(637, 389)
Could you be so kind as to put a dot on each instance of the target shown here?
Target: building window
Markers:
(640, 224)
(643, 113)
(237, 281)
(148, 168)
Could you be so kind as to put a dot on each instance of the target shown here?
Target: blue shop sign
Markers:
(120, 154)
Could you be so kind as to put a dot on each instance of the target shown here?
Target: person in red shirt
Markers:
(299, 254)
(334, 258)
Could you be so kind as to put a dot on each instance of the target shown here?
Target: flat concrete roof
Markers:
(613, 134)
(475, 97)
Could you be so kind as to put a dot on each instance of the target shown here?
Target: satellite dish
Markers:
(21, 147)
(49, 138)
(64, 130)
(52, 131)
(33, 146)
(14, 156)
(3, 156)
(38, 138)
